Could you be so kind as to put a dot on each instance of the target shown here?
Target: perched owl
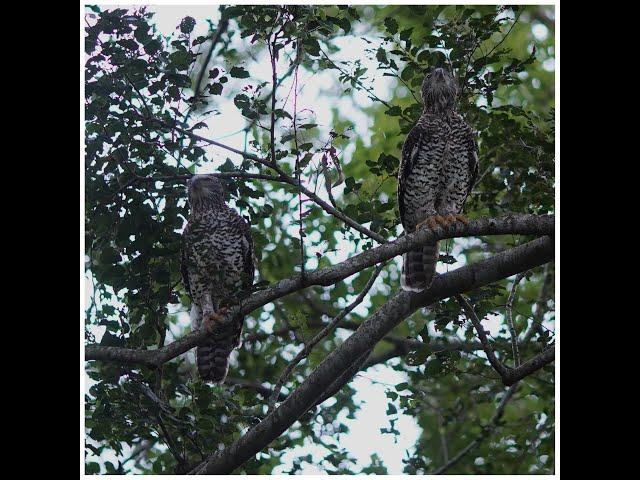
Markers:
(217, 271)
(438, 168)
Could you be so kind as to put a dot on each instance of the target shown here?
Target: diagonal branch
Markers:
(399, 307)
(215, 38)
(304, 353)
(482, 335)
(530, 366)
(509, 375)
(515, 224)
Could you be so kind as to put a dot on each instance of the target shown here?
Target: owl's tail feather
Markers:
(212, 355)
(419, 267)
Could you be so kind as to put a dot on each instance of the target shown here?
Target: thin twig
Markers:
(215, 38)
(486, 432)
(482, 335)
(287, 178)
(362, 85)
(509, 375)
(540, 305)
(512, 328)
(297, 169)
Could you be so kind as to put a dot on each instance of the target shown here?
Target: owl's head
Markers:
(204, 190)
(439, 90)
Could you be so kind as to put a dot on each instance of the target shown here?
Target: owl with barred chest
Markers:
(217, 272)
(438, 169)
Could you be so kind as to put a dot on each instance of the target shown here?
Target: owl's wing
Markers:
(248, 267)
(472, 155)
(409, 151)
(184, 269)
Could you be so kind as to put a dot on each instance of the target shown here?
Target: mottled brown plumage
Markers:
(217, 271)
(437, 171)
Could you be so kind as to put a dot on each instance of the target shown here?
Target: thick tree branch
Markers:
(399, 307)
(515, 224)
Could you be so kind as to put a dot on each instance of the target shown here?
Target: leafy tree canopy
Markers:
(153, 103)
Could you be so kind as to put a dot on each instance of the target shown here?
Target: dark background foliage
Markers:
(140, 83)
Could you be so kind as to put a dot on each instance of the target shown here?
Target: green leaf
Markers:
(391, 25)
(433, 367)
(406, 34)
(110, 340)
(180, 60)
(187, 24)
(215, 89)
(394, 111)
(311, 46)
(92, 468)
(153, 47)
(239, 72)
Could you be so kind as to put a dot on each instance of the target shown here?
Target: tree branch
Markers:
(509, 375)
(530, 366)
(184, 178)
(512, 328)
(223, 24)
(266, 392)
(399, 307)
(515, 224)
(304, 353)
(482, 335)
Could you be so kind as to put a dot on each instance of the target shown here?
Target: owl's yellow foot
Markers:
(441, 220)
(210, 321)
(432, 222)
(451, 219)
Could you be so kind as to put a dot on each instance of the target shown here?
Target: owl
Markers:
(438, 168)
(217, 272)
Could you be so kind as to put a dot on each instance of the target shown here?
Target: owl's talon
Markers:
(444, 221)
(209, 321)
(461, 218)
(451, 218)
(429, 222)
